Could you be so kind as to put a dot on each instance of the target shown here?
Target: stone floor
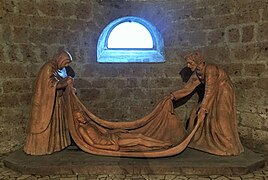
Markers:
(6, 173)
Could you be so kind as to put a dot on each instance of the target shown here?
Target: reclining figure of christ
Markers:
(113, 139)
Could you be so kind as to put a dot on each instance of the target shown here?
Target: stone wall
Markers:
(230, 33)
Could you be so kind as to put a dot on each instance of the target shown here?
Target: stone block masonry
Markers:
(232, 34)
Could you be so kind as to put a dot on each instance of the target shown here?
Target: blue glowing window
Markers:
(130, 35)
(130, 39)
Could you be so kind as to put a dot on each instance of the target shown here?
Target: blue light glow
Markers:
(130, 35)
(130, 39)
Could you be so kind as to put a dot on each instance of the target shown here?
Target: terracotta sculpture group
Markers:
(57, 113)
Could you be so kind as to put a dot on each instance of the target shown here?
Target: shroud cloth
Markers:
(48, 128)
(161, 124)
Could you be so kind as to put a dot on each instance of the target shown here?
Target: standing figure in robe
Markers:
(48, 128)
(217, 133)
(101, 138)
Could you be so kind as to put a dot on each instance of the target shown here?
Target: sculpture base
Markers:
(74, 161)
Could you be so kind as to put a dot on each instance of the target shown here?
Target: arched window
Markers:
(130, 39)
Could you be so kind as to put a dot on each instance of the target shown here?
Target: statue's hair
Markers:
(77, 111)
(196, 57)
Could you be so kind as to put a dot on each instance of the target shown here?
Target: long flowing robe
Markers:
(217, 133)
(48, 129)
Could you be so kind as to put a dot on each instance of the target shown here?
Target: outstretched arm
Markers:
(191, 84)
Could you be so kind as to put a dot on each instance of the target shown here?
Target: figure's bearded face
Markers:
(79, 117)
(191, 64)
(193, 60)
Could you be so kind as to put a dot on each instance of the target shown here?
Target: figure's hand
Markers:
(69, 80)
(171, 97)
(75, 91)
(64, 82)
(115, 147)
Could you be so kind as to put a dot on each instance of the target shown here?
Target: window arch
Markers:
(130, 39)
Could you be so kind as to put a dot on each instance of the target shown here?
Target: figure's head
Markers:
(79, 116)
(194, 60)
(63, 59)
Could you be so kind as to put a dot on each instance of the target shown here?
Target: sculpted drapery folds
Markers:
(158, 134)
(48, 131)
(217, 133)
(57, 111)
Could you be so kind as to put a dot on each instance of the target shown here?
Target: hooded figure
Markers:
(48, 130)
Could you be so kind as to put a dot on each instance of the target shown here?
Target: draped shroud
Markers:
(161, 124)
